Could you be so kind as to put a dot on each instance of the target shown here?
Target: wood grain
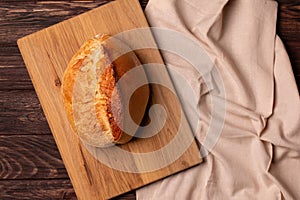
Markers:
(36, 16)
(26, 19)
(46, 63)
(36, 189)
(43, 189)
(30, 157)
(21, 114)
(15, 78)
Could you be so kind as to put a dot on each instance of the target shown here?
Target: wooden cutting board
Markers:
(46, 54)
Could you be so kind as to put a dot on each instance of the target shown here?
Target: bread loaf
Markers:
(94, 111)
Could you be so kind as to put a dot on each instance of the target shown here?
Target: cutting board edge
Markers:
(22, 41)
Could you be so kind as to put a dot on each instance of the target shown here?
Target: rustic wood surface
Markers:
(30, 164)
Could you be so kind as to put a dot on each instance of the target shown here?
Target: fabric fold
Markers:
(258, 153)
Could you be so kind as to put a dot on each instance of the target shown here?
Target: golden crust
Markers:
(104, 103)
(92, 61)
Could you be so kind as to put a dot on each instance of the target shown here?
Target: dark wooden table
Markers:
(30, 164)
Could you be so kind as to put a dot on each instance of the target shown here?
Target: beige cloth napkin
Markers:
(258, 153)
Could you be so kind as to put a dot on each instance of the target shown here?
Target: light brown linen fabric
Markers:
(258, 153)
